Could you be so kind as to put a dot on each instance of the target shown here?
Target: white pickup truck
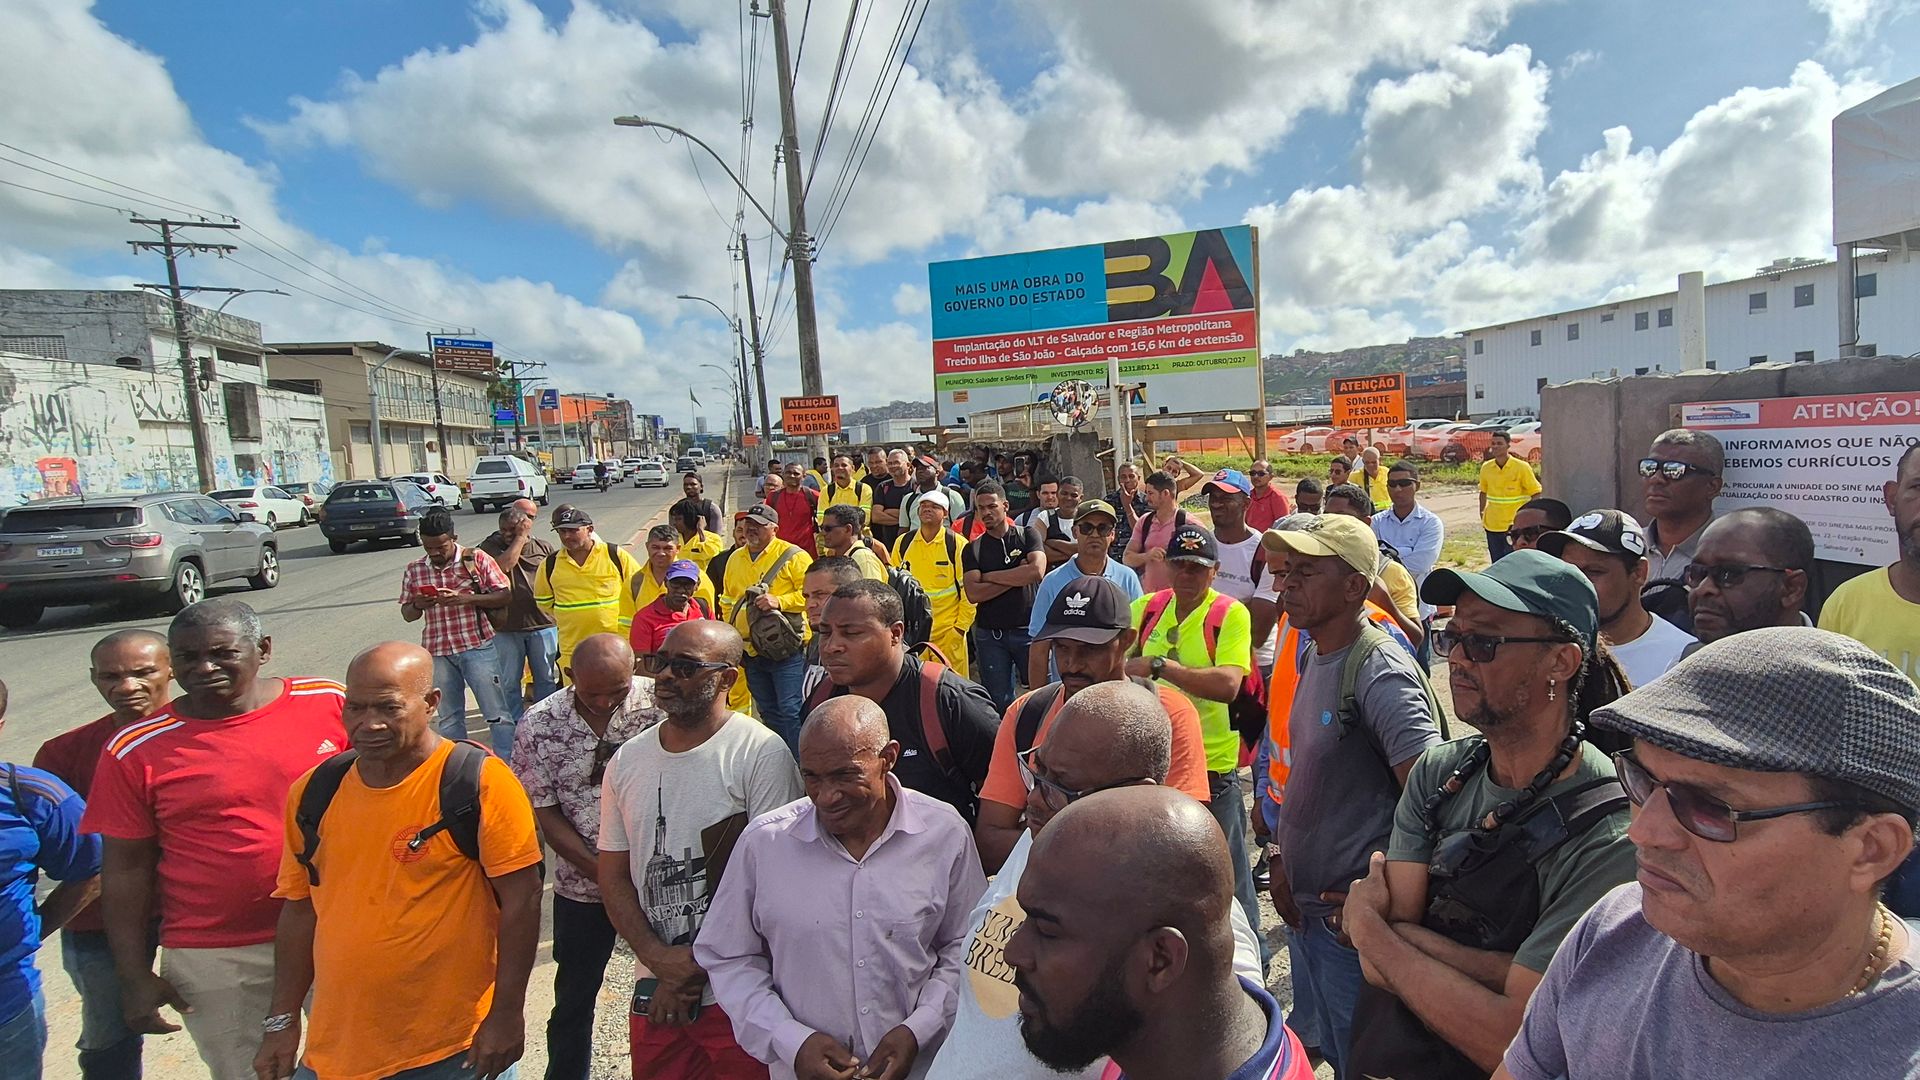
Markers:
(497, 481)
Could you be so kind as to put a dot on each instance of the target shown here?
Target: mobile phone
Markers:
(643, 992)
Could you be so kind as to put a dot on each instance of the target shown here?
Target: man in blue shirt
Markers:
(39, 833)
(1094, 524)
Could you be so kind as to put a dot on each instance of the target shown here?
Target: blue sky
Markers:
(1412, 170)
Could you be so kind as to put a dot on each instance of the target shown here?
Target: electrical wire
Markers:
(834, 212)
(116, 183)
(321, 296)
(162, 207)
(84, 202)
(841, 60)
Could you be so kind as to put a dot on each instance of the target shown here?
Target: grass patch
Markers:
(1464, 552)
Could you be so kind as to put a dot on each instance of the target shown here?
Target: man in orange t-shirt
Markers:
(416, 954)
(1090, 626)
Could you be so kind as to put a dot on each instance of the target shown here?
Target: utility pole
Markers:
(190, 380)
(759, 353)
(799, 246)
(439, 422)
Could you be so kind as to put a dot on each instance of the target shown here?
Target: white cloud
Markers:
(911, 299)
(1579, 58)
(1852, 24)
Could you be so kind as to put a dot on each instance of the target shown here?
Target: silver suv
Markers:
(166, 547)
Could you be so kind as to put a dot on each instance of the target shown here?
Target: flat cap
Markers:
(1785, 699)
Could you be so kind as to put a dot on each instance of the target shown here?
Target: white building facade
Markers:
(1785, 314)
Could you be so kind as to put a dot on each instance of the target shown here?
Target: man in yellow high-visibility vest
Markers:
(931, 554)
(1506, 483)
(776, 684)
(587, 586)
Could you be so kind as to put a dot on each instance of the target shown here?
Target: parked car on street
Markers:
(1395, 442)
(649, 474)
(374, 510)
(1307, 440)
(500, 479)
(438, 486)
(266, 504)
(166, 547)
(310, 493)
(1431, 443)
(1468, 442)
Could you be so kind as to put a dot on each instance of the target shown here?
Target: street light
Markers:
(373, 401)
(242, 292)
(643, 122)
(739, 416)
(759, 368)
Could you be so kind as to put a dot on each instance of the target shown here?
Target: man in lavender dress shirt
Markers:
(854, 901)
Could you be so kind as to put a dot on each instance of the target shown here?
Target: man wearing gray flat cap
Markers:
(1775, 776)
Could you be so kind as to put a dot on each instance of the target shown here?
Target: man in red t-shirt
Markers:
(1267, 504)
(190, 803)
(797, 508)
(132, 671)
(668, 610)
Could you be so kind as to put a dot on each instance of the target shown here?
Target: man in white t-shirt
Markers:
(675, 799)
(1243, 569)
(1611, 549)
(1112, 734)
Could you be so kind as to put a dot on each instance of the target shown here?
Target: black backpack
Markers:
(1026, 726)
(459, 803)
(914, 601)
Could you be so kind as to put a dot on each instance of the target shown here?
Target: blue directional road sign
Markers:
(549, 399)
(466, 355)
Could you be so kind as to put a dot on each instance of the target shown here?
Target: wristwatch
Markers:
(1157, 665)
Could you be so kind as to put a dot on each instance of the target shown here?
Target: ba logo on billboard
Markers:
(1720, 414)
(1147, 278)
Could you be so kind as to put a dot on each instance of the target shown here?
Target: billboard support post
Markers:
(1121, 406)
(1259, 367)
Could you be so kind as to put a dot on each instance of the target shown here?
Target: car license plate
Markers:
(59, 552)
(367, 528)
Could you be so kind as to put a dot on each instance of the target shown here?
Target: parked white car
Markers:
(649, 474)
(265, 504)
(438, 487)
(503, 478)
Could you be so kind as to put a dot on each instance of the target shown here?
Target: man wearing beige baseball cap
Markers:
(1776, 780)
(1351, 757)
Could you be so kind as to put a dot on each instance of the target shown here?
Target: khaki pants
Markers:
(230, 991)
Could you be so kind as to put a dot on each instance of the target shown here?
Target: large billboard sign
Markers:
(1179, 312)
(1824, 460)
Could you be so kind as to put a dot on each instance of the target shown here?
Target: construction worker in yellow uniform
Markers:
(739, 698)
(587, 586)
(776, 685)
(697, 545)
(931, 554)
(844, 488)
(650, 581)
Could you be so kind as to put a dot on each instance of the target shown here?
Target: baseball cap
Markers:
(569, 517)
(1329, 534)
(764, 514)
(1090, 609)
(1785, 699)
(1230, 482)
(1191, 543)
(927, 460)
(1095, 506)
(1532, 582)
(1611, 531)
(683, 570)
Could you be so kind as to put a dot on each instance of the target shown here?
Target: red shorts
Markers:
(703, 1050)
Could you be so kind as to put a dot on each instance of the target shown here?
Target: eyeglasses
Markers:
(1530, 534)
(1258, 472)
(1055, 796)
(1401, 483)
(1094, 528)
(682, 667)
(1698, 812)
(1726, 576)
(603, 752)
(1674, 471)
(1481, 648)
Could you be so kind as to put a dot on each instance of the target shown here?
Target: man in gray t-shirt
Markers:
(1347, 772)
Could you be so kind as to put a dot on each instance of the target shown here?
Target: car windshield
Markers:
(361, 493)
(297, 489)
(54, 519)
(492, 468)
(232, 493)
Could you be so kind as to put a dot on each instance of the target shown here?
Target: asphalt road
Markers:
(325, 610)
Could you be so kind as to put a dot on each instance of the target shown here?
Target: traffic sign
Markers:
(469, 356)
(1371, 401)
(810, 415)
(549, 399)
(505, 415)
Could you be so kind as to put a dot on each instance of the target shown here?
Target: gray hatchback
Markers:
(167, 547)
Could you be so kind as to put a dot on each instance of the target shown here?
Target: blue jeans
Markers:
(1326, 985)
(1003, 661)
(1498, 546)
(519, 650)
(108, 1051)
(449, 1068)
(479, 669)
(777, 694)
(23, 1041)
(1230, 810)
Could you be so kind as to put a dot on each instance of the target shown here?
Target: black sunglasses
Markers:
(1698, 812)
(1094, 528)
(682, 667)
(1725, 576)
(1054, 795)
(1672, 470)
(1481, 648)
(1405, 482)
(1530, 534)
(603, 752)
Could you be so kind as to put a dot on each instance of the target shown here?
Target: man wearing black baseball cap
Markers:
(1611, 549)
(1501, 840)
(1776, 782)
(1089, 627)
(586, 586)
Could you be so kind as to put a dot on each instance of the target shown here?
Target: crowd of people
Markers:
(969, 773)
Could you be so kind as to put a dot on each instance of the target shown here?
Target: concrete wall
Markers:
(99, 327)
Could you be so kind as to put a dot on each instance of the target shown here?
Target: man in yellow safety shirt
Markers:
(1506, 483)
(587, 586)
(776, 684)
(650, 581)
(698, 545)
(931, 554)
(843, 488)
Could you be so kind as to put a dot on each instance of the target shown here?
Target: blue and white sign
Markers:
(505, 414)
(469, 356)
(549, 399)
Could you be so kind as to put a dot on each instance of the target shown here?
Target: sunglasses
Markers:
(682, 667)
(602, 753)
(1726, 576)
(1529, 534)
(1055, 796)
(1401, 483)
(1094, 528)
(1481, 648)
(1698, 812)
(1674, 471)
(1258, 472)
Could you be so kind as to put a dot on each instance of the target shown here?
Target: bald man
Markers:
(861, 869)
(1113, 734)
(1144, 975)
(423, 968)
(132, 671)
(561, 754)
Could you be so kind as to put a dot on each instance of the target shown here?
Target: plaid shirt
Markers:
(450, 630)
